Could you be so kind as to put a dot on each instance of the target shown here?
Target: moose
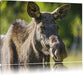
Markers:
(27, 44)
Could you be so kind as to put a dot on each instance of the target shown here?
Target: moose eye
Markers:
(43, 27)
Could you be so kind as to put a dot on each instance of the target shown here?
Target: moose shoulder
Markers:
(34, 42)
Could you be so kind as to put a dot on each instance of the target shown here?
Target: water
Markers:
(74, 65)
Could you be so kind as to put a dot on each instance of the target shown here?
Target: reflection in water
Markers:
(37, 67)
(59, 66)
(40, 67)
(26, 67)
(32, 67)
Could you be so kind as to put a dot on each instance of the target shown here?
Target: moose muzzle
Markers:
(57, 48)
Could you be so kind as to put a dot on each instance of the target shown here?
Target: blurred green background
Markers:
(70, 27)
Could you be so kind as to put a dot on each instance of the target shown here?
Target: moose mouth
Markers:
(56, 59)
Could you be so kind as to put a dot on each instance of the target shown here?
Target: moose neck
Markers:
(35, 47)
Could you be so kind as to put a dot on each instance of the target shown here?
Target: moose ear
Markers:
(61, 11)
(33, 10)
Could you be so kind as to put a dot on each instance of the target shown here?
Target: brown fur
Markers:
(25, 45)
(24, 40)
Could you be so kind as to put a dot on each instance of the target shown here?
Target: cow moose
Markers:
(27, 44)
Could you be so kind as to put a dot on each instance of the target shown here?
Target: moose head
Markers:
(47, 29)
